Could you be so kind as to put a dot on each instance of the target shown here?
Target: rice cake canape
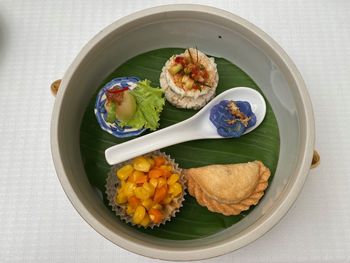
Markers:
(189, 80)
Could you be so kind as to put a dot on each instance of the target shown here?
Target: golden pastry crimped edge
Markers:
(230, 209)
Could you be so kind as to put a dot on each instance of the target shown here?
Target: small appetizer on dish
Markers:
(127, 106)
(228, 189)
(189, 80)
(146, 191)
(232, 118)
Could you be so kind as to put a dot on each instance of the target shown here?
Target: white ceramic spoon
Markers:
(197, 127)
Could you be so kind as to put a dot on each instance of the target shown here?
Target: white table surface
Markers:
(39, 39)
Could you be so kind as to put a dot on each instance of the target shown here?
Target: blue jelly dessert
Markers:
(232, 118)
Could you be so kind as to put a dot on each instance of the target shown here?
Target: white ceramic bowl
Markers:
(218, 33)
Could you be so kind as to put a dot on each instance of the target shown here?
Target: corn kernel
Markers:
(147, 203)
(122, 187)
(173, 179)
(145, 221)
(130, 210)
(175, 189)
(139, 214)
(157, 206)
(141, 164)
(166, 167)
(151, 161)
(154, 182)
(120, 198)
(128, 189)
(167, 200)
(161, 182)
(124, 172)
(149, 188)
(135, 175)
(141, 193)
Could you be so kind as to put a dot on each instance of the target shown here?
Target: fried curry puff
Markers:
(228, 189)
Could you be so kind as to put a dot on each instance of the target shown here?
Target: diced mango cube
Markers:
(159, 160)
(133, 201)
(156, 173)
(167, 170)
(155, 215)
(160, 194)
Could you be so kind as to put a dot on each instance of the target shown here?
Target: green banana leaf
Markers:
(192, 221)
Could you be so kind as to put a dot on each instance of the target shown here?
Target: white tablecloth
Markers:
(38, 41)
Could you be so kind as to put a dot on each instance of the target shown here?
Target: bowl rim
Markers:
(253, 232)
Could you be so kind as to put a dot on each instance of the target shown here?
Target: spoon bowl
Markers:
(197, 127)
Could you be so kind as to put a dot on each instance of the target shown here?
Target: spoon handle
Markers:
(171, 135)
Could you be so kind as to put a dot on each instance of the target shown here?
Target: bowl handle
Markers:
(315, 160)
(55, 86)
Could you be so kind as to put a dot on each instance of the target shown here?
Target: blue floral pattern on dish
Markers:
(227, 124)
(101, 113)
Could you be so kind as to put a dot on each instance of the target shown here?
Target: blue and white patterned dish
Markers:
(101, 113)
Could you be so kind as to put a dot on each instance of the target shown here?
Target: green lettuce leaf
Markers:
(150, 103)
(110, 107)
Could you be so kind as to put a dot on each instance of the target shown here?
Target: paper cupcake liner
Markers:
(169, 210)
